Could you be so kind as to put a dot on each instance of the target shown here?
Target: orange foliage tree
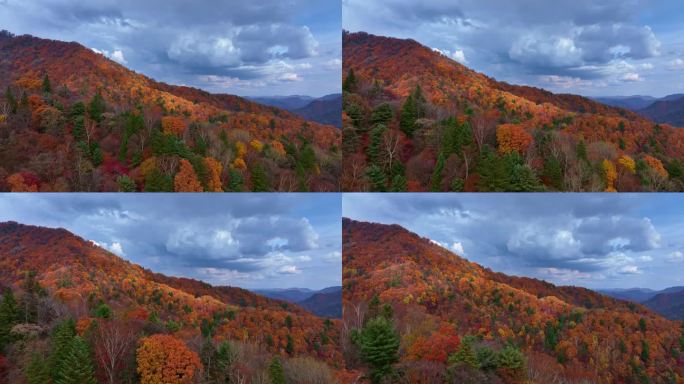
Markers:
(186, 180)
(214, 184)
(512, 137)
(163, 359)
(173, 125)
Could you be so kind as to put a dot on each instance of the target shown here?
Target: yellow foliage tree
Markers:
(610, 174)
(257, 145)
(628, 163)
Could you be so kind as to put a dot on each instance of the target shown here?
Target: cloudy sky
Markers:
(590, 240)
(588, 47)
(246, 240)
(252, 48)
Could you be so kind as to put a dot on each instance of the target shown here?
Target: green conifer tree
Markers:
(379, 344)
(275, 371)
(77, 366)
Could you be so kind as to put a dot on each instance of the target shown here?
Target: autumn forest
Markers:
(74, 120)
(417, 120)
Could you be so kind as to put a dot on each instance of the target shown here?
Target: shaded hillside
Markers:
(416, 120)
(633, 103)
(291, 295)
(669, 304)
(670, 111)
(325, 303)
(73, 120)
(454, 317)
(325, 110)
(91, 285)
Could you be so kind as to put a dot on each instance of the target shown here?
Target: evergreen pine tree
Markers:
(77, 366)
(377, 177)
(156, 181)
(9, 316)
(275, 371)
(379, 344)
(436, 179)
(96, 107)
(349, 84)
(235, 181)
(37, 370)
(399, 183)
(289, 347)
(512, 364)
(382, 114)
(61, 339)
(47, 87)
(407, 124)
(464, 355)
(374, 150)
(259, 179)
(11, 99)
(523, 179)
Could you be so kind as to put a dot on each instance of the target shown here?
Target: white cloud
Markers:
(290, 270)
(675, 65)
(334, 64)
(290, 76)
(645, 258)
(334, 256)
(304, 258)
(116, 55)
(564, 274)
(631, 77)
(458, 248)
(456, 54)
(115, 247)
(629, 270)
(676, 257)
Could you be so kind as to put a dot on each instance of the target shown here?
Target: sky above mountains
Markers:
(589, 240)
(245, 240)
(588, 47)
(249, 48)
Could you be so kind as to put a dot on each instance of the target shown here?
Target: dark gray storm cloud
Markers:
(592, 240)
(248, 240)
(582, 46)
(250, 48)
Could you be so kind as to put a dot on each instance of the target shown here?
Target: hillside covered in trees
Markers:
(415, 312)
(416, 120)
(71, 312)
(74, 120)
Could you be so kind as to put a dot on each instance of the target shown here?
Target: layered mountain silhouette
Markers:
(103, 127)
(416, 120)
(324, 110)
(326, 302)
(437, 301)
(668, 109)
(668, 302)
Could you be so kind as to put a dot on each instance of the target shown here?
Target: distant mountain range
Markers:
(324, 110)
(668, 302)
(326, 303)
(668, 109)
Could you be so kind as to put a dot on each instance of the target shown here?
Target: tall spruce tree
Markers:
(9, 316)
(379, 344)
(275, 371)
(77, 366)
